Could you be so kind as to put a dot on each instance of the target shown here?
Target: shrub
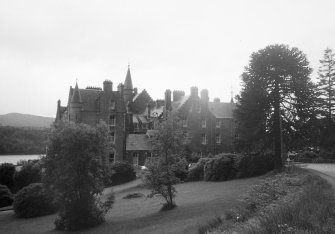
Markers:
(32, 201)
(179, 168)
(122, 172)
(29, 173)
(196, 172)
(7, 171)
(306, 156)
(248, 165)
(6, 197)
(219, 168)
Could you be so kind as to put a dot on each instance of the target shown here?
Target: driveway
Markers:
(326, 171)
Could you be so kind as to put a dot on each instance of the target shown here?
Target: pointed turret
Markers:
(75, 106)
(128, 87)
(76, 98)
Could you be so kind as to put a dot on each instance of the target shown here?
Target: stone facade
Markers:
(131, 118)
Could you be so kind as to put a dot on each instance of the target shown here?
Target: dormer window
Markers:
(203, 123)
(112, 120)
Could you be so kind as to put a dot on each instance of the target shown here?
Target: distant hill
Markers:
(25, 120)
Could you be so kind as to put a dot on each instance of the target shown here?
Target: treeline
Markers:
(14, 140)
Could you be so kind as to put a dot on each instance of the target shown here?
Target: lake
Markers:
(16, 158)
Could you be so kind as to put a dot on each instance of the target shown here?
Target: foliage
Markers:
(33, 200)
(6, 197)
(30, 172)
(7, 171)
(276, 101)
(168, 144)
(179, 168)
(74, 172)
(122, 172)
(248, 165)
(196, 172)
(219, 168)
(15, 140)
(306, 156)
(283, 204)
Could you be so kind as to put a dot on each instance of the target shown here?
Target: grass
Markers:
(295, 202)
(196, 202)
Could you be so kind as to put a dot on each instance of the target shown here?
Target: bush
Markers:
(179, 168)
(7, 171)
(32, 201)
(306, 157)
(219, 168)
(122, 172)
(196, 172)
(248, 165)
(6, 197)
(29, 173)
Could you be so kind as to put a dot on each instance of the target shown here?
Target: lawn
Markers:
(197, 203)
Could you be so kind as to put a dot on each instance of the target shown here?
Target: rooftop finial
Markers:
(232, 94)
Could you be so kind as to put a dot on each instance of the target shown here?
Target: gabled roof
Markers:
(138, 142)
(222, 109)
(88, 97)
(177, 105)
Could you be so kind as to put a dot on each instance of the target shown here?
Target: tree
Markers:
(326, 85)
(74, 172)
(7, 171)
(168, 146)
(276, 98)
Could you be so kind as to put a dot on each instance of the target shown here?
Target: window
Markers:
(136, 127)
(218, 123)
(111, 157)
(218, 139)
(112, 107)
(184, 123)
(112, 120)
(135, 158)
(144, 126)
(112, 137)
(203, 139)
(203, 123)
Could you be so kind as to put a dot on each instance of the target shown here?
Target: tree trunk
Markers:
(278, 141)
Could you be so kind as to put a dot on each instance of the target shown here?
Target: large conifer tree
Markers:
(276, 92)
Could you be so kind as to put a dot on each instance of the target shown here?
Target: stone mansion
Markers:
(131, 117)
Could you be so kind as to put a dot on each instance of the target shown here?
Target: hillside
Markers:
(25, 120)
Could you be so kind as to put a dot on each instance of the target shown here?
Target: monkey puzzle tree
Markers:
(276, 92)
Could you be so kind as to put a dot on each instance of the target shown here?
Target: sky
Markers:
(46, 45)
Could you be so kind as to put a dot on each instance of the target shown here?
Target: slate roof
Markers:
(128, 84)
(138, 142)
(177, 105)
(222, 109)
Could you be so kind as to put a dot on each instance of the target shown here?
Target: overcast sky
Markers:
(45, 45)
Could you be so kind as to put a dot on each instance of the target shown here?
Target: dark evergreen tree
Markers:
(276, 100)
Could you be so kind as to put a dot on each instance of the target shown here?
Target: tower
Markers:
(128, 88)
(76, 105)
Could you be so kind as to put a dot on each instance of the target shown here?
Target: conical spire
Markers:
(128, 84)
(76, 98)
